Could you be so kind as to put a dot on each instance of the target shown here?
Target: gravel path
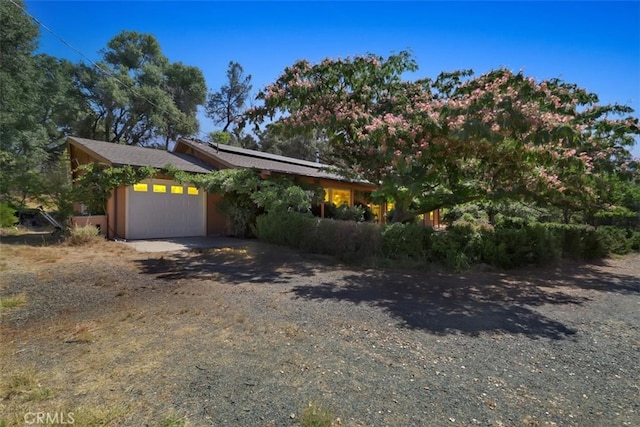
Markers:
(251, 336)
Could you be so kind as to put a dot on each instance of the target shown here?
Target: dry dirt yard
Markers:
(263, 336)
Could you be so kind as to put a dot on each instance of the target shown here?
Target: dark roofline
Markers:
(211, 149)
(257, 154)
(112, 154)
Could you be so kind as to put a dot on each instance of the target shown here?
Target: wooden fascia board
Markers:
(91, 153)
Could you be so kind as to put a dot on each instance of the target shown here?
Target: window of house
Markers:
(140, 187)
(177, 189)
(337, 196)
(376, 210)
(159, 188)
(192, 191)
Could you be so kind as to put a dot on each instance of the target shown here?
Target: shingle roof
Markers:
(120, 155)
(236, 157)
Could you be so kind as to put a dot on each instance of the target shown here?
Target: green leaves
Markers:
(430, 143)
(225, 107)
(137, 96)
(94, 183)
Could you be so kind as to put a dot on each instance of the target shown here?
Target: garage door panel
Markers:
(164, 214)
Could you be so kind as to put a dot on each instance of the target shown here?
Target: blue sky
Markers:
(593, 44)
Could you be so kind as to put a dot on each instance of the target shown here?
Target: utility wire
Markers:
(96, 65)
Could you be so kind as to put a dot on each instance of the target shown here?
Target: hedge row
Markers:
(458, 247)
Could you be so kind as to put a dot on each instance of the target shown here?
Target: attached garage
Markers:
(159, 208)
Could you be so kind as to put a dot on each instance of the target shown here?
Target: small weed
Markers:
(315, 415)
(12, 302)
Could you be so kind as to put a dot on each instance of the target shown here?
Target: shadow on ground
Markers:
(474, 303)
(470, 304)
(41, 236)
(253, 263)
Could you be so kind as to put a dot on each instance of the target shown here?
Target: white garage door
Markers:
(162, 208)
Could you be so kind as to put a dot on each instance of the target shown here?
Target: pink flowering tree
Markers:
(430, 143)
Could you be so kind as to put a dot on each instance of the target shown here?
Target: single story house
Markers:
(338, 190)
(162, 208)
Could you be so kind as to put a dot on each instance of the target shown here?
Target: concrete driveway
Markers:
(183, 243)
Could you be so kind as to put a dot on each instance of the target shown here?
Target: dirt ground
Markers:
(258, 335)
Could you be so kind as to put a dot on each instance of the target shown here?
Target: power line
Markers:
(98, 66)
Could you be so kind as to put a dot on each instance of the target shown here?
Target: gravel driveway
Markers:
(250, 336)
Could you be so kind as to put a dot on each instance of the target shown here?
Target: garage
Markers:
(158, 208)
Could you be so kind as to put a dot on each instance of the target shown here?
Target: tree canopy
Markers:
(36, 96)
(134, 95)
(438, 142)
(137, 96)
(226, 106)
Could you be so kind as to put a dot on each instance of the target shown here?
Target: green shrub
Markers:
(505, 247)
(458, 247)
(519, 246)
(615, 240)
(348, 240)
(350, 213)
(84, 236)
(620, 216)
(283, 228)
(240, 212)
(7, 215)
(405, 241)
(635, 240)
(577, 241)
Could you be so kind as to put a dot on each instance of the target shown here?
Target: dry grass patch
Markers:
(28, 255)
(84, 236)
(26, 386)
(90, 416)
(15, 301)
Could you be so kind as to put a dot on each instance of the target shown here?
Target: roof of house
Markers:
(120, 155)
(236, 157)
